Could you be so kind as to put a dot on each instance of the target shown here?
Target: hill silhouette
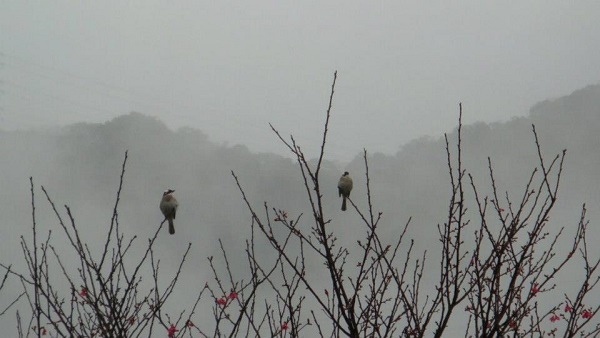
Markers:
(79, 165)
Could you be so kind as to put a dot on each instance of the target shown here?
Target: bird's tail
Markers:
(344, 203)
(171, 227)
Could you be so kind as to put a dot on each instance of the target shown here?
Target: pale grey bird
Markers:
(344, 188)
(168, 206)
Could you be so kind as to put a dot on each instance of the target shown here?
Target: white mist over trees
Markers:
(79, 165)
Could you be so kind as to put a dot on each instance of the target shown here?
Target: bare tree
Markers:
(495, 276)
(106, 294)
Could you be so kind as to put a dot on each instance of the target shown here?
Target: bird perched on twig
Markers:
(168, 206)
(344, 188)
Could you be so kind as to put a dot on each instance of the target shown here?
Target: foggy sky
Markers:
(230, 67)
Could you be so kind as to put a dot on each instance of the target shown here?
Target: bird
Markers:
(344, 188)
(168, 206)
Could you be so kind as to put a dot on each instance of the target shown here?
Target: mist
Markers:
(231, 68)
(189, 92)
(79, 165)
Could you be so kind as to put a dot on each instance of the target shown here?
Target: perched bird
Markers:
(344, 188)
(168, 206)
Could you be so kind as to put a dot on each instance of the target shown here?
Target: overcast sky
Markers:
(229, 68)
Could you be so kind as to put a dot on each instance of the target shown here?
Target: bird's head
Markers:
(346, 173)
(167, 192)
